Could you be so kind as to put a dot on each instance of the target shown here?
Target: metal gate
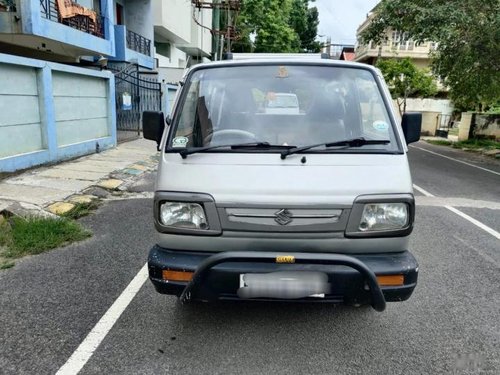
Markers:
(135, 93)
(443, 125)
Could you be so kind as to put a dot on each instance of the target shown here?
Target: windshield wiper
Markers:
(258, 145)
(354, 142)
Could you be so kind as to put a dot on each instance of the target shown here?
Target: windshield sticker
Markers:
(380, 126)
(179, 142)
(282, 72)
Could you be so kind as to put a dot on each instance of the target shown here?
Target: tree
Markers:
(406, 80)
(277, 26)
(467, 34)
(305, 20)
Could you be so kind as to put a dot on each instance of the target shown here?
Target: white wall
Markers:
(20, 120)
(81, 108)
(170, 75)
(139, 17)
(200, 37)
(177, 59)
(172, 19)
(443, 106)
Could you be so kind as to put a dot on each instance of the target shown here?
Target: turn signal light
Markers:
(390, 280)
(170, 275)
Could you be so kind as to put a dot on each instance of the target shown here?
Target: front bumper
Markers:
(353, 278)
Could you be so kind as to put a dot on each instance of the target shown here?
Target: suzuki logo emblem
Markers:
(283, 217)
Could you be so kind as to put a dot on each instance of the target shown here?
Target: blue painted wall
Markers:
(52, 151)
(34, 23)
(122, 53)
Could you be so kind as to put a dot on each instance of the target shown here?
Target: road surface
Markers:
(51, 302)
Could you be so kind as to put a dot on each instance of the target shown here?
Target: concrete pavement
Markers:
(57, 188)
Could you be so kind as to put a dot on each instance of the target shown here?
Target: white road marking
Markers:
(88, 346)
(424, 192)
(486, 228)
(477, 223)
(457, 160)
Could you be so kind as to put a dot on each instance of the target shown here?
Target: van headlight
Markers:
(381, 215)
(384, 216)
(183, 215)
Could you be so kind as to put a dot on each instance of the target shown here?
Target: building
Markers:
(56, 102)
(347, 54)
(182, 37)
(395, 45)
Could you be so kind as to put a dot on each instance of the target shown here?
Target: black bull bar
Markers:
(378, 300)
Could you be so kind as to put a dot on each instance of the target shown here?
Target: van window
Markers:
(294, 105)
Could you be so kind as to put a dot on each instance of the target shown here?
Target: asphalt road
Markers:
(49, 303)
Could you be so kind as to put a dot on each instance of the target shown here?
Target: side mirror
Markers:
(153, 125)
(412, 125)
(168, 120)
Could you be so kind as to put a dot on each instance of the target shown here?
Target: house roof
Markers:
(347, 56)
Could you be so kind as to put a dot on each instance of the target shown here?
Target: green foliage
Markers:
(468, 37)
(305, 20)
(470, 144)
(278, 26)
(406, 80)
(20, 237)
(478, 144)
(81, 210)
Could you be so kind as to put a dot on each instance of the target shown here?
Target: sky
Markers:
(339, 19)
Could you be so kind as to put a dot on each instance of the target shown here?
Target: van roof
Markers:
(282, 61)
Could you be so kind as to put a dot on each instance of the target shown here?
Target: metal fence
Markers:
(83, 23)
(138, 43)
(135, 93)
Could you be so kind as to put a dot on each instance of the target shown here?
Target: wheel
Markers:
(229, 136)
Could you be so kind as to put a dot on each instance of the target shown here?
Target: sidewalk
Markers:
(56, 189)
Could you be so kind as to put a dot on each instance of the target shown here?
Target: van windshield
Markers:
(281, 105)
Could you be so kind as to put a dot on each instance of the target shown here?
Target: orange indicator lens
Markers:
(177, 275)
(390, 280)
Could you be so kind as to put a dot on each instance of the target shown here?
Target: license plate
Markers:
(284, 285)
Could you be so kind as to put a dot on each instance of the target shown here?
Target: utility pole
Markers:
(219, 32)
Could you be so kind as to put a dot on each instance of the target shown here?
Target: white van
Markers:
(312, 206)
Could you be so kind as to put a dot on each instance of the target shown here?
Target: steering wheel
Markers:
(230, 136)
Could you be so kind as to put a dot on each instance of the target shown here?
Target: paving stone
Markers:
(24, 210)
(31, 194)
(69, 185)
(82, 198)
(97, 192)
(60, 208)
(110, 184)
(143, 162)
(119, 175)
(138, 166)
(133, 171)
(77, 175)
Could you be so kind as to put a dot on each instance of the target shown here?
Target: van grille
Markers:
(281, 219)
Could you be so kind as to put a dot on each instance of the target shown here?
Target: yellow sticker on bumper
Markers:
(285, 259)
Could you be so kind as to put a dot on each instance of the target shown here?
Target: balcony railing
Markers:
(49, 10)
(7, 5)
(138, 43)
